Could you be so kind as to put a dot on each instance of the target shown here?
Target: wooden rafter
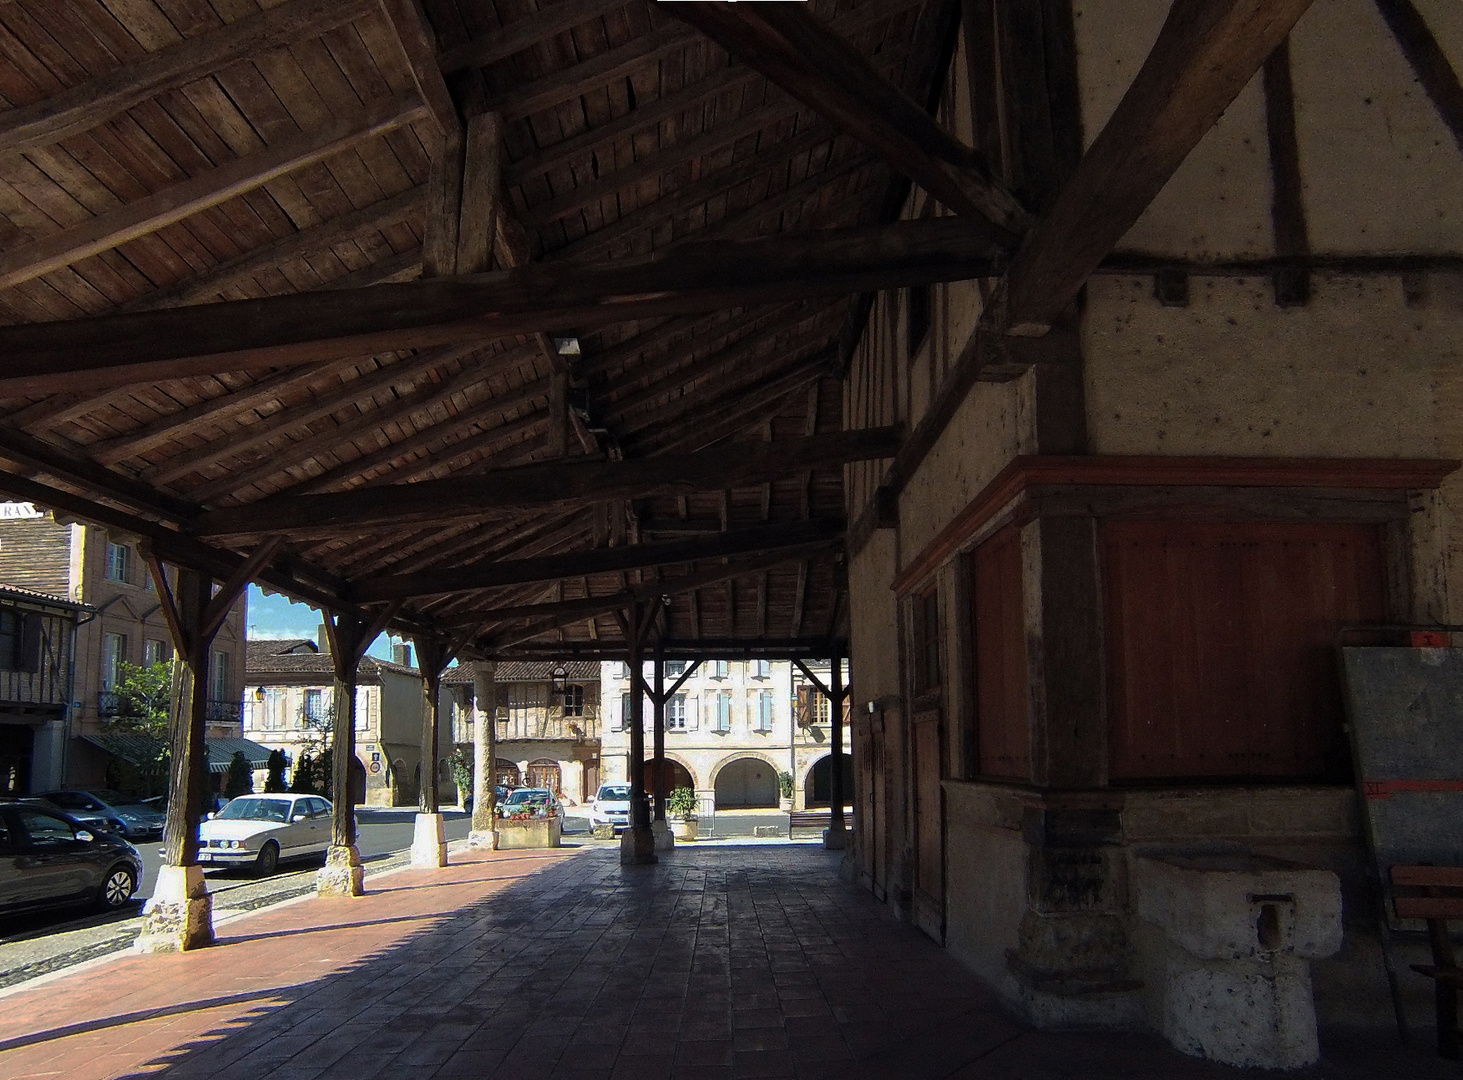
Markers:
(814, 64)
(307, 327)
(544, 485)
(86, 105)
(419, 49)
(1429, 62)
(525, 33)
(209, 188)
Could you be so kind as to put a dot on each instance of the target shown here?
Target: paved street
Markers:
(34, 945)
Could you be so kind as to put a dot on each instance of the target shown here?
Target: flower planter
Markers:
(533, 833)
(784, 804)
(684, 828)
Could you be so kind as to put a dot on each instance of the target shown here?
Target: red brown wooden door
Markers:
(929, 825)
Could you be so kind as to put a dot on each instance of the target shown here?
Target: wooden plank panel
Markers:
(1003, 721)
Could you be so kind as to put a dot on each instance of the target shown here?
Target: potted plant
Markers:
(784, 785)
(681, 806)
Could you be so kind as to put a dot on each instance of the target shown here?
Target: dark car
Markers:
(137, 820)
(104, 820)
(49, 859)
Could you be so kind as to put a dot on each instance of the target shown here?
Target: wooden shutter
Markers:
(1220, 645)
(1003, 724)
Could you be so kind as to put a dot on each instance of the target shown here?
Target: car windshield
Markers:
(246, 809)
(527, 795)
(615, 792)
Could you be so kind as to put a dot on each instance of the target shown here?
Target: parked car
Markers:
(93, 819)
(137, 820)
(49, 859)
(259, 831)
(536, 798)
(611, 806)
(502, 793)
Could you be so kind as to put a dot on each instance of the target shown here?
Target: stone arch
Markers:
(679, 772)
(746, 781)
(815, 784)
(505, 772)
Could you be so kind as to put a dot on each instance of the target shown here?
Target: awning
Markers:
(137, 749)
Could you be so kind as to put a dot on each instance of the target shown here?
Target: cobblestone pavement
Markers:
(730, 962)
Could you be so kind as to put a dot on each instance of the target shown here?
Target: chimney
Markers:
(401, 653)
(323, 639)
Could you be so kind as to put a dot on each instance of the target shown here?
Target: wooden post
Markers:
(664, 841)
(179, 915)
(429, 842)
(836, 839)
(485, 754)
(349, 635)
(637, 844)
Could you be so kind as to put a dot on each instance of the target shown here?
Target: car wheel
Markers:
(117, 888)
(268, 859)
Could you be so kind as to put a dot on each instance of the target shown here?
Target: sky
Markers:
(280, 617)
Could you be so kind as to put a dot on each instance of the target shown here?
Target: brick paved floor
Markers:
(718, 963)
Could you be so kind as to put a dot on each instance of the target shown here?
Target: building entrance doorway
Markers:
(746, 783)
(818, 790)
(16, 742)
(544, 773)
(676, 775)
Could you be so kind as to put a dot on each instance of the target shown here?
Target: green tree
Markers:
(241, 777)
(462, 768)
(275, 780)
(141, 729)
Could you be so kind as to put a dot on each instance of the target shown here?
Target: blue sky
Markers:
(280, 617)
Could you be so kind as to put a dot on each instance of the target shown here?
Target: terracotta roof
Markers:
(529, 671)
(290, 657)
(15, 592)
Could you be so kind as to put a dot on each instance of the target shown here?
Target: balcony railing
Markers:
(111, 703)
(223, 711)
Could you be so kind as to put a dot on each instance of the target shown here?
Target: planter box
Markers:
(684, 828)
(540, 833)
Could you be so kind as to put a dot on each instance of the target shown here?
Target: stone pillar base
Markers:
(664, 841)
(482, 819)
(482, 839)
(637, 846)
(179, 915)
(342, 874)
(835, 837)
(429, 841)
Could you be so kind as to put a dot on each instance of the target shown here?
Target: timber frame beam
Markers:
(548, 484)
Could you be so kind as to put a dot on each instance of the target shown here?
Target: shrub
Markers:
(241, 777)
(681, 802)
(784, 784)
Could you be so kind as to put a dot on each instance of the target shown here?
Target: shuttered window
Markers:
(1002, 716)
(1220, 645)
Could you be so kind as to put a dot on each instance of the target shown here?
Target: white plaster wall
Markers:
(1352, 374)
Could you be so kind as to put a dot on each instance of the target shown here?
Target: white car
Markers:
(611, 806)
(260, 830)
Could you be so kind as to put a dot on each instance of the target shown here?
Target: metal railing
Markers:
(223, 711)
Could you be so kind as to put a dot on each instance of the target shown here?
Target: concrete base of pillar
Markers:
(179, 915)
(664, 841)
(482, 819)
(429, 841)
(637, 846)
(342, 874)
(482, 839)
(835, 837)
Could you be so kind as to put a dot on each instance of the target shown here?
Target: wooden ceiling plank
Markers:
(307, 327)
(418, 43)
(525, 33)
(1206, 52)
(814, 64)
(210, 188)
(757, 541)
(297, 245)
(546, 485)
(616, 63)
(87, 105)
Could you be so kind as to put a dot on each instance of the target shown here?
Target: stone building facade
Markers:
(1093, 619)
(731, 730)
(123, 623)
(289, 699)
(544, 738)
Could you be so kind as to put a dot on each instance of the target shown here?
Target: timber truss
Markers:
(491, 325)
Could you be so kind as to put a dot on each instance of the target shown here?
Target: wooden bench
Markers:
(1435, 895)
(813, 819)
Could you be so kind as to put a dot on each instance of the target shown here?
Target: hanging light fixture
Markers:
(560, 676)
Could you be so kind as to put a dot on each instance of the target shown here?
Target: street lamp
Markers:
(560, 676)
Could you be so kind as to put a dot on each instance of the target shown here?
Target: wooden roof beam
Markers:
(814, 64)
(307, 327)
(525, 33)
(1206, 52)
(208, 189)
(796, 535)
(544, 485)
(418, 43)
(90, 104)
